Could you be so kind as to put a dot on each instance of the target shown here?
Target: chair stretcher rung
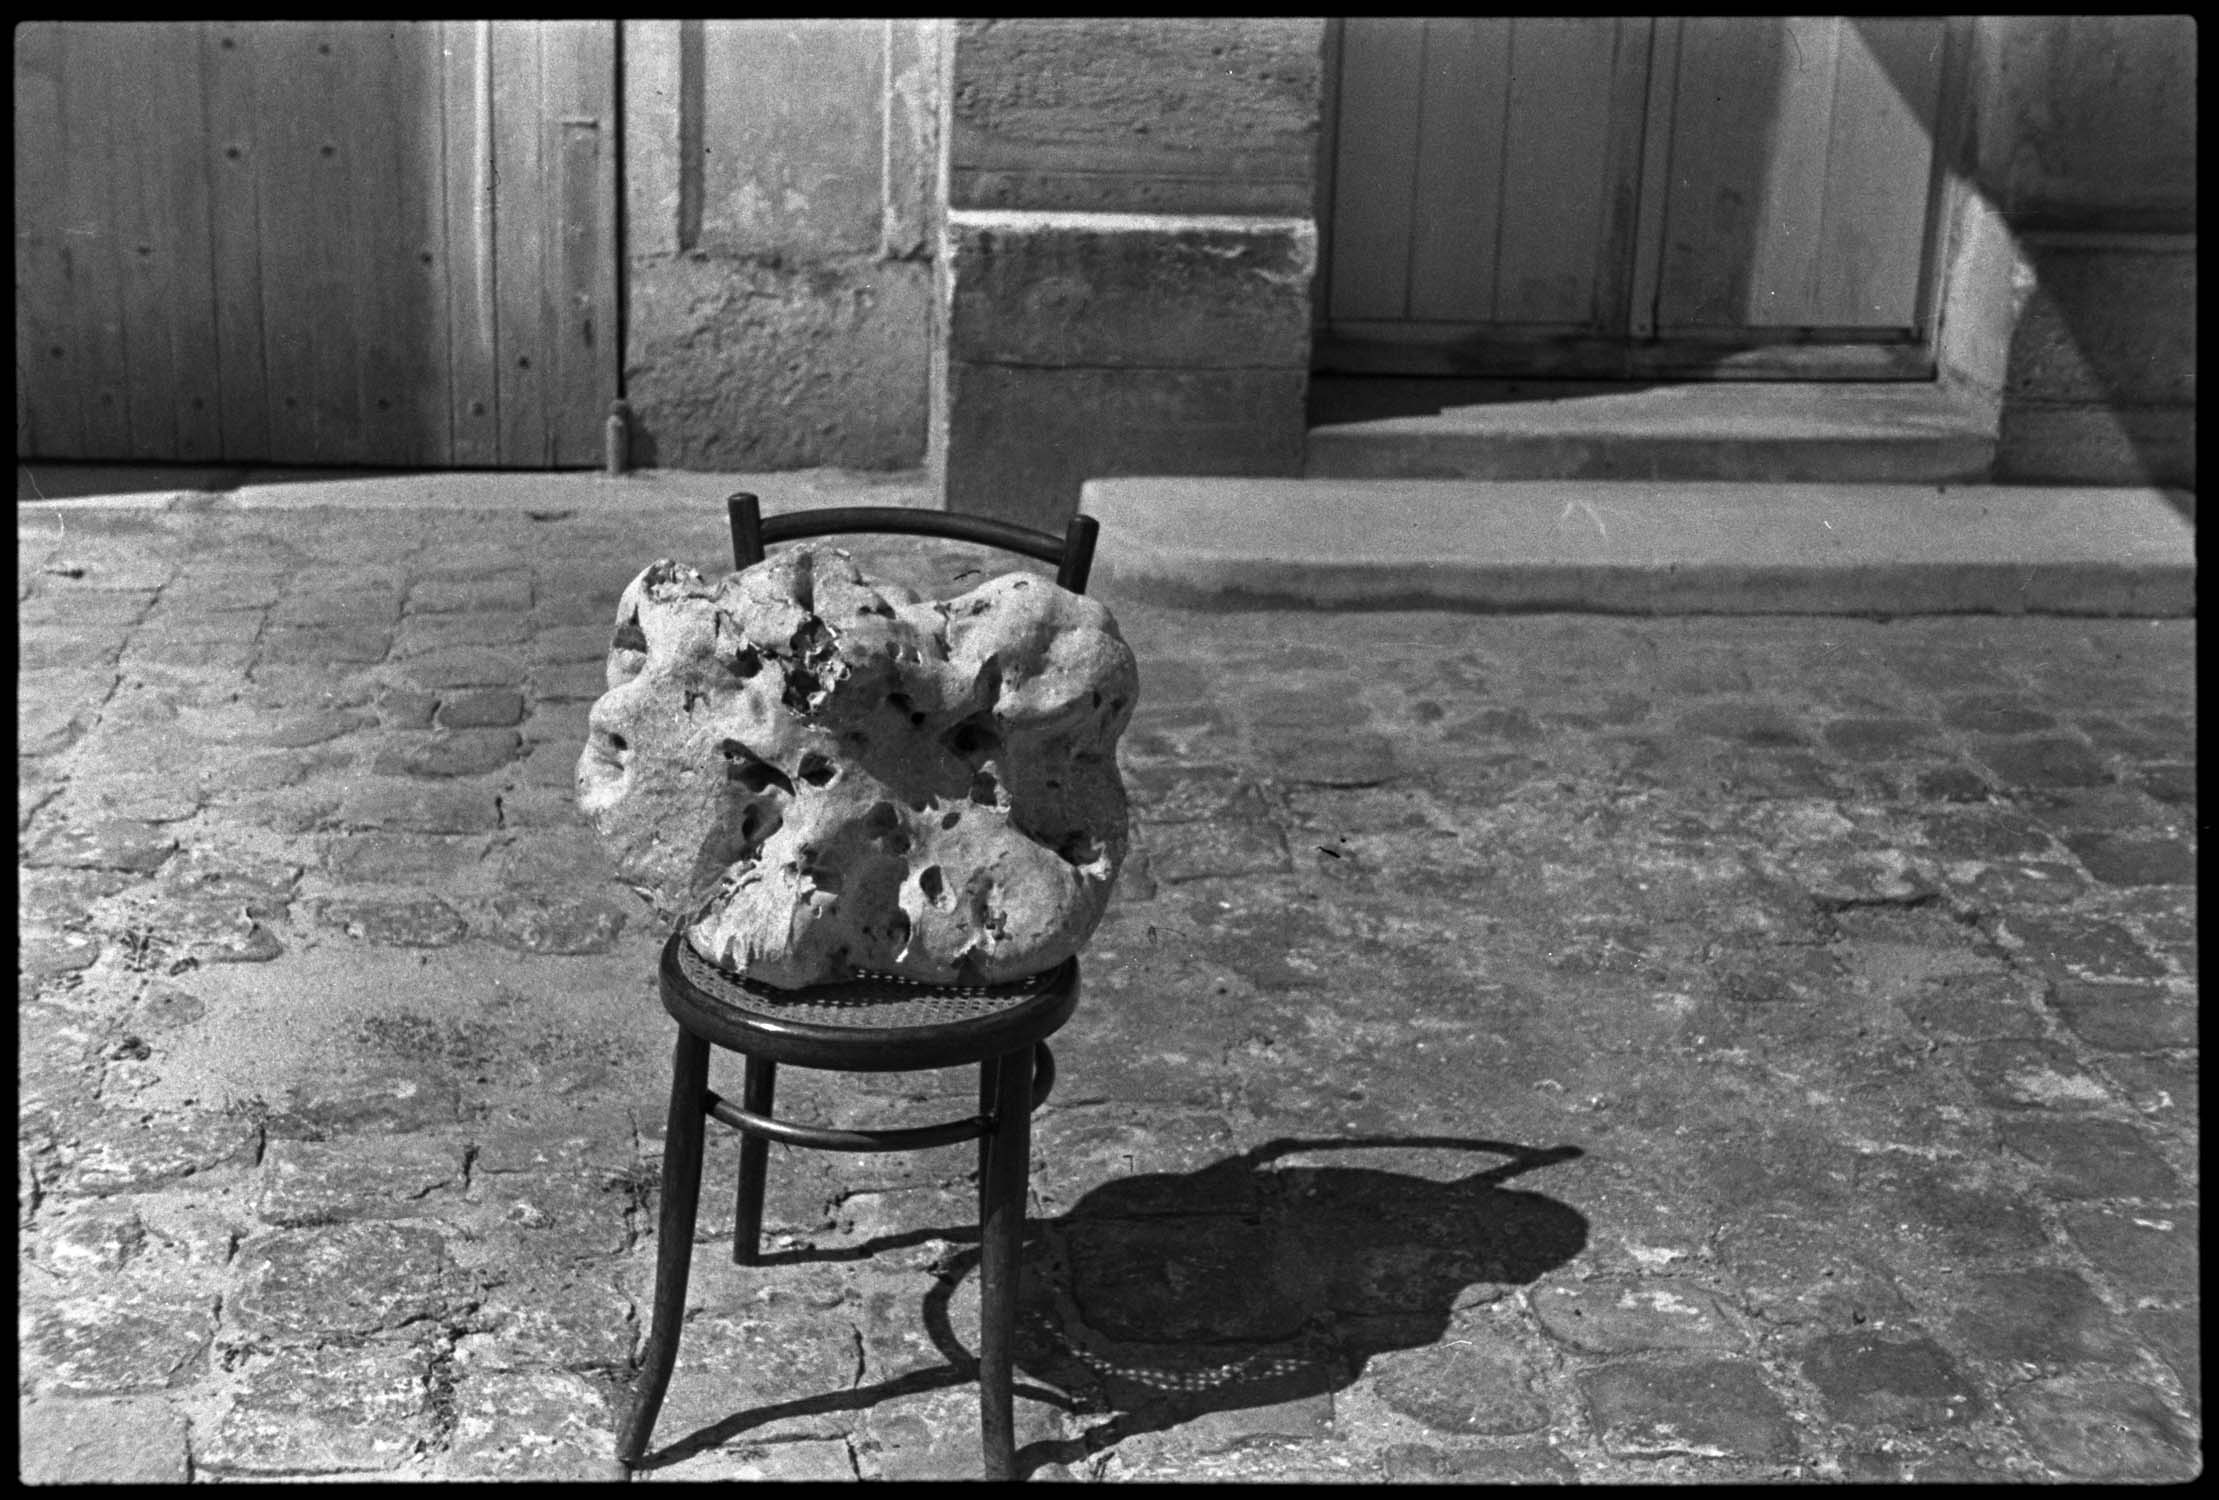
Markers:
(908, 1138)
(825, 1138)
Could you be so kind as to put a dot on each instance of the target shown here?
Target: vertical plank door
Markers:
(1740, 196)
(1801, 159)
(1483, 178)
(359, 243)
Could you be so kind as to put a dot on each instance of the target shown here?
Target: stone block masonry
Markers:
(1214, 114)
(1080, 345)
(752, 364)
(2102, 384)
(1126, 256)
(779, 179)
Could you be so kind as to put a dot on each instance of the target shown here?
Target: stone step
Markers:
(1683, 547)
(1870, 432)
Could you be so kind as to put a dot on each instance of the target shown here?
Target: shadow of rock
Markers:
(1261, 1279)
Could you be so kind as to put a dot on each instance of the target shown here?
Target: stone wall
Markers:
(1032, 251)
(1127, 254)
(780, 219)
(2085, 146)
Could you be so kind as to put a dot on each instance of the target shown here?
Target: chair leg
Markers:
(756, 1088)
(1001, 1232)
(682, 1145)
(989, 1072)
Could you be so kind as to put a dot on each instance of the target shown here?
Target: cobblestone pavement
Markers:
(1535, 1047)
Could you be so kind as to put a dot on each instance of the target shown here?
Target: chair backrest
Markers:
(1072, 553)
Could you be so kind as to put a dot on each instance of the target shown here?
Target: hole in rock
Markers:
(736, 843)
(1078, 848)
(986, 913)
(816, 769)
(812, 639)
(928, 881)
(951, 817)
(618, 742)
(757, 824)
(813, 668)
(629, 636)
(897, 931)
(983, 788)
(761, 777)
(810, 865)
(745, 768)
(805, 582)
(745, 662)
(974, 739)
(802, 689)
(883, 824)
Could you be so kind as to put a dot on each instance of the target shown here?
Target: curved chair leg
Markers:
(1001, 1232)
(756, 1088)
(682, 1144)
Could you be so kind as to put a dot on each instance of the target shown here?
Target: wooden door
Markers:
(1620, 197)
(316, 242)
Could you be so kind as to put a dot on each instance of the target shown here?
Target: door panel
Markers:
(318, 243)
(1453, 252)
(1613, 197)
(1375, 204)
(1553, 184)
(1886, 106)
(1797, 195)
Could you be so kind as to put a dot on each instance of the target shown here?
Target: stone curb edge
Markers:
(1676, 549)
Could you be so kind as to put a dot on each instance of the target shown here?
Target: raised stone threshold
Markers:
(1647, 547)
(1873, 432)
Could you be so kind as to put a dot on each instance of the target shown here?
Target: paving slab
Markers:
(1544, 1046)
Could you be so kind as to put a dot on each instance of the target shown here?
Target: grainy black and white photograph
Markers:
(1425, 750)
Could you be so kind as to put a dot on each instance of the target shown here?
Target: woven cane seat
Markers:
(868, 1023)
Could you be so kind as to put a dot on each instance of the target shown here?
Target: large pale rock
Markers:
(817, 774)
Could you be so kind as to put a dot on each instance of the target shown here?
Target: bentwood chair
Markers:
(870, 1023)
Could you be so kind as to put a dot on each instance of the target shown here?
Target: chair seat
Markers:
(869, 1024)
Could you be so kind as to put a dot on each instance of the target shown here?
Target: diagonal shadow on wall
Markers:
(1260, 1279)
(2089, 126)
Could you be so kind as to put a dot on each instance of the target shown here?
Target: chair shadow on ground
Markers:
(1251, 1282)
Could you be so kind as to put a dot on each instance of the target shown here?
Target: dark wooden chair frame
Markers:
(1002, 1028)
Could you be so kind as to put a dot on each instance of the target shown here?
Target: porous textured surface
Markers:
(818, 774)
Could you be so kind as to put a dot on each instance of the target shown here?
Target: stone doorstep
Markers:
(1859, 431)
(1646, 547)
